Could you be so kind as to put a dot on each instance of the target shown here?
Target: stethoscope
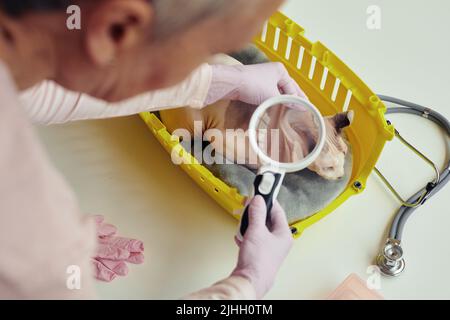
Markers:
(391, 261)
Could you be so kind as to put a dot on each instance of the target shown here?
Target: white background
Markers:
(119, 170)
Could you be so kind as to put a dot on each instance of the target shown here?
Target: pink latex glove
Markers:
(252, 84)
(114, 252)
(263, 251)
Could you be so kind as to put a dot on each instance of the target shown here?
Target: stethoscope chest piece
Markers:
(391, 261)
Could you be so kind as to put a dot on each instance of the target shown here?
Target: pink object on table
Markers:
(114, 252)
(354, 288)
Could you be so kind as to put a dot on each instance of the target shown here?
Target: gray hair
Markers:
(175, 15)
(171, 15)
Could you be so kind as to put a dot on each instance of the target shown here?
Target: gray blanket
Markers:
(303, 193)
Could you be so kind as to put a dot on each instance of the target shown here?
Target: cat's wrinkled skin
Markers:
(330, 163)
(229, 115)
(225, 115)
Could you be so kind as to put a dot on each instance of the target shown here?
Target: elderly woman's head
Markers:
(124, 47)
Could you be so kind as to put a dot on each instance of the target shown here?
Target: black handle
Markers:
(265, 185)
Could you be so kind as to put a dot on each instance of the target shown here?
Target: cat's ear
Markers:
(342, 120)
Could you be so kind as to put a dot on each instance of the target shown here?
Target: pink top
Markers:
(42, 231)
(49, 103)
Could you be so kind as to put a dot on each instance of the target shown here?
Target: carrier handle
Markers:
(430, 186)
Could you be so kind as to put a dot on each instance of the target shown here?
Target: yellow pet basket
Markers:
(331, 86)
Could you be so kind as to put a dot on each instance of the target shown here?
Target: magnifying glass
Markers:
(287, 134)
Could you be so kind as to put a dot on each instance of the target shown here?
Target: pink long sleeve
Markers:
(49, 103)
(231, 288)
(42, 232)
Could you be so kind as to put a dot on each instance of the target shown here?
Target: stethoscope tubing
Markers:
(404, 213)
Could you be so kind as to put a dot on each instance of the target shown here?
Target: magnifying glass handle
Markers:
(268, 186)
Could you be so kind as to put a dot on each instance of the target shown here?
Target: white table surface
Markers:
(119, 170)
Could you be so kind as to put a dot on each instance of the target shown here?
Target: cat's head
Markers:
(331, 162)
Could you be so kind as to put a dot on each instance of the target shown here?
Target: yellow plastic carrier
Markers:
(331, 86)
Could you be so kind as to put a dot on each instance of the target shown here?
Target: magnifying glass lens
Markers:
(287, 133)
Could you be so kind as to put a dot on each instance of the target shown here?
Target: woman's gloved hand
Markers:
(252, 84)
(114, 252)
(263, 251)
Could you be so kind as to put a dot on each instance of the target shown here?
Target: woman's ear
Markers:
(115, 26)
